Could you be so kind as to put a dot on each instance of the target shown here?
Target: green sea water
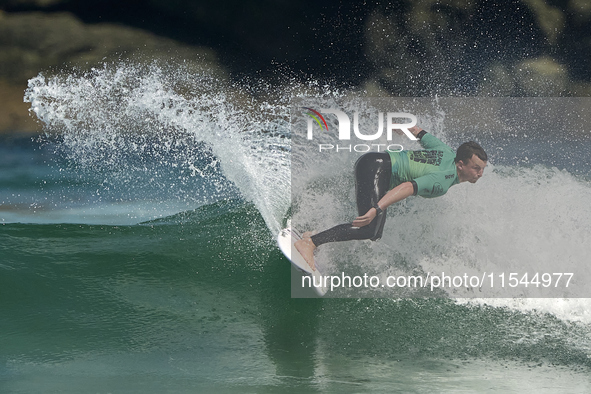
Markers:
(200, 302)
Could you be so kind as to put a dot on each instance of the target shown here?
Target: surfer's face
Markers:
(471, 170)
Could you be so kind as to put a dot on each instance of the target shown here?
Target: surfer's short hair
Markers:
(467, 149)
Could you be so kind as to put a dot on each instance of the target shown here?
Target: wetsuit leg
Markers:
(372, 181)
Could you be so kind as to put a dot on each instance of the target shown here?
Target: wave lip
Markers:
(172, 130)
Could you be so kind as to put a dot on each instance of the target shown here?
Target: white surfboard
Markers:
(286, 240)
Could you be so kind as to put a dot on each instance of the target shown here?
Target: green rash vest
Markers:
(432, 171)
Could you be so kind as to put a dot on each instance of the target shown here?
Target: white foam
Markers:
(106, 115)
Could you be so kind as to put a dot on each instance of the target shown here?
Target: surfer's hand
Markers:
(366, 219)
(415, 130)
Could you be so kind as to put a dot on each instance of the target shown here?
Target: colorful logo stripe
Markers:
(316, 115)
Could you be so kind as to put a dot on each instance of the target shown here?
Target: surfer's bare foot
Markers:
(306, 248)
(308, 234)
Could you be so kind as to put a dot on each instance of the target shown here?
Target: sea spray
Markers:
(118, 118)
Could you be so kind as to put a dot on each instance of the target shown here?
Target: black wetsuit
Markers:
(431, 172)
(373, 172)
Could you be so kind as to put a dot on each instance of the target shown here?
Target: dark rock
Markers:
(400, 47)
(36, 42)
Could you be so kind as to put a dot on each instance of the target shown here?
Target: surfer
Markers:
(384, 178)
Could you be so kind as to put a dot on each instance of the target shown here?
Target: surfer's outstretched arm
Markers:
(399, 193)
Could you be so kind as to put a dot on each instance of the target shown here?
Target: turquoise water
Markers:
(186, 304)
(147, 263)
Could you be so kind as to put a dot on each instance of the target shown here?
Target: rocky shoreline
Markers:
(401, 48)
(36, 42)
